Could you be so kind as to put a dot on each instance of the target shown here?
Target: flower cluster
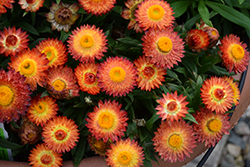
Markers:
(88, 80)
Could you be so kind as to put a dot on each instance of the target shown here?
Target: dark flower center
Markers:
(148, 72)
(89, 78)
(60, 134)
(46, 159)
(11, 41)
(63, 16)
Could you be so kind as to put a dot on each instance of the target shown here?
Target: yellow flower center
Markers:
(86, 41)
(50, 52)
(172, 106)
(6, 96)
(27, 67)
(165, 44)
(46, 159)
(59, 85)
(60, 134)
(117, 74)
(40, 107)
(30, 135)
(214, 33)
(156, 12)
(237, 51)
(106, 120)
(124, 158)
(214, 125)
(218, 94)
(175, 141)
(100, 146)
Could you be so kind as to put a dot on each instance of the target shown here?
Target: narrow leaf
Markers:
(79, 153)
(203, 11)
(151, 121)
(241, 1)
(230, 14)
(180, 7)
(7, 144)
(190, 117)
(27, 27)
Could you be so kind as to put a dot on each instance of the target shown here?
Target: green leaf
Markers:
(14, 124)
(241, 1)
(131, 129)
(7, 144)
(173, 75)
(151, 121)
(45, 93)
(230, 14)
(58, 1)
(130, 41)
(197, 99)
(180, 7)
(27, 27)
(203, 11)
(64, 35)
(190, 117)
(79, 153)
(118, 9)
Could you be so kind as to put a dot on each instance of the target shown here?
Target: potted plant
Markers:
(124, 83)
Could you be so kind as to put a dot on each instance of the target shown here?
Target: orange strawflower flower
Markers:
(42, 109)
(174, 140)
(155, 14)
(234, 86)
(234, 54)
(62, 83)
(98, 146)
(129, 14)
(60, 134)
(14, 96)
(87, 43)
(125, 153)
(86, 77)
(197, 40)
(55, 51)
(13, 41)
(211, 127)
(217, 94)
(33, 65)
(149, 76)
(62, 15)
(172, 107)
(107, 121)
(31, 5)
(7, 4)
(42, 156)
(97, 7)
(165, 48)
(117, 76)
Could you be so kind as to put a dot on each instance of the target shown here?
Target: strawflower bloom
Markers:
(87, 43)
(97, 7)
(5, 3)
(31, 5)
(149, 76)
(155, 14)
(234, 54)
(12, 41)
(172, 107)
(125, 153)
(60, 134)
(164, 48)
(117, 76)
(197, 40)
(14, 96)
(213, 35)
(42, 109)
(62, 15)
(42, 156)
(217, 94)
(62, 83)
(234, 86)
(86, 77)
(129, 14)
(29, 132)
(107, 121)
(33, 65)
(174, 140)
(211, 127)
(98, 146)
(55, 51)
